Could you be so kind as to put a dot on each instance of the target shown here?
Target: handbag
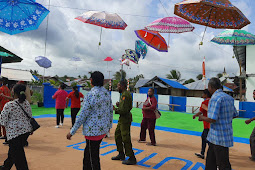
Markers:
(33, 122)
(156, 111)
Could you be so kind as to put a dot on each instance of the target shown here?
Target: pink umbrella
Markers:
(108, 59)
(170, 25)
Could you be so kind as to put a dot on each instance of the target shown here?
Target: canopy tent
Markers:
(17, 75)
(13, 59)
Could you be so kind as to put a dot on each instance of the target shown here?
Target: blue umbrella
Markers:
(18, 16)
(43, 61)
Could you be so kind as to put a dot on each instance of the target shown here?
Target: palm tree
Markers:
(219, 75)
(189, 81)
(117, 75)
(200, 77)
(174, 74)
(85, 77)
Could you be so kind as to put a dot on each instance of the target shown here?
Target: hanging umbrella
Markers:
(152, 39)
(235, 38)
(103, 19)
(211, 13)
(43, 61)
(108, 59)
(170, 25)
(75, 59)
(18, 16)
(132, 56)
(141, 48)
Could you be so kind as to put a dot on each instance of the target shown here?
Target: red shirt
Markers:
(150, 113)
(75, 102)
(206, 102)
(5, 90)
(60, 97)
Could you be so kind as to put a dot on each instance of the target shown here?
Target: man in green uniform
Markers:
(122, 133)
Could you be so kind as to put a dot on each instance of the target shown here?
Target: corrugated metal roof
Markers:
(18, 75)
(199, 85)
(141, 82)
(174, 84)
(160, 84)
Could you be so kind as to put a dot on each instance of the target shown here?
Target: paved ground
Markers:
(50, 150)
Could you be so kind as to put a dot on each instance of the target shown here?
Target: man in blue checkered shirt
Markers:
(221, 112)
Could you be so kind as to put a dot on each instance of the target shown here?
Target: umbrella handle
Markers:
(100, 38)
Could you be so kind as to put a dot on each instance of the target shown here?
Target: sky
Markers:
(68, 37)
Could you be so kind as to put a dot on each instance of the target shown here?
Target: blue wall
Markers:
(145, 90)
(249, 107)
(49, 91)
(179, 101)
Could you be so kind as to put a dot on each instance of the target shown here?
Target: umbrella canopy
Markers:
(75, 59)
(141, 48)
(212, 13)
(103, 19)
(9, 57)
(43, 61)
(18, 16)
(131, 55)
(170, 25)
(235, 38)
(108, 59)
(152, 39)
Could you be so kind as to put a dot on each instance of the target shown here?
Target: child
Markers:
(203, 111)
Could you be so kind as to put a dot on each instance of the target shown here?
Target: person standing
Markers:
(96, 116)
(60, 97)
(149, 118)
(203, 111)
(221, 112)
(5, 96)
(75, 97)
(252, 137)
(18, 128)
(122, 132)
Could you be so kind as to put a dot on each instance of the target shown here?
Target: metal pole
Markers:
(121, 71)
(240, 81)
(43, 74)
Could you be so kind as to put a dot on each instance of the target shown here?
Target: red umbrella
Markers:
(108, 59)
(153, 39)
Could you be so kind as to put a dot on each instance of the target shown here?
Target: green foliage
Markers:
(37, 83)
(199, 77)
(174, 74)
(219, 75)
(74, 84)
(54, 83)
(117, 75)
(37, 97)
(189, 81)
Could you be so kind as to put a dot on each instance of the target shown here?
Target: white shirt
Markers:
(15, 120)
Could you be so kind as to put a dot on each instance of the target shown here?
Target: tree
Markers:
(117, 75)
(85, 77)
(189, 81)
(174, 74)
(79, 76)
(200, 77)
(219, 75)
(34, 72)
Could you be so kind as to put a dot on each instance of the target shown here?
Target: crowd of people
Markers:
(96, 115)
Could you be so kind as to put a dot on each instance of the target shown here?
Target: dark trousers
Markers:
(217, 156)
(74, 112)
(60, 116)
(252, 143)
(16, 154)
(204, 140)
(123, 139)
(150, 125)
(91, 160)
